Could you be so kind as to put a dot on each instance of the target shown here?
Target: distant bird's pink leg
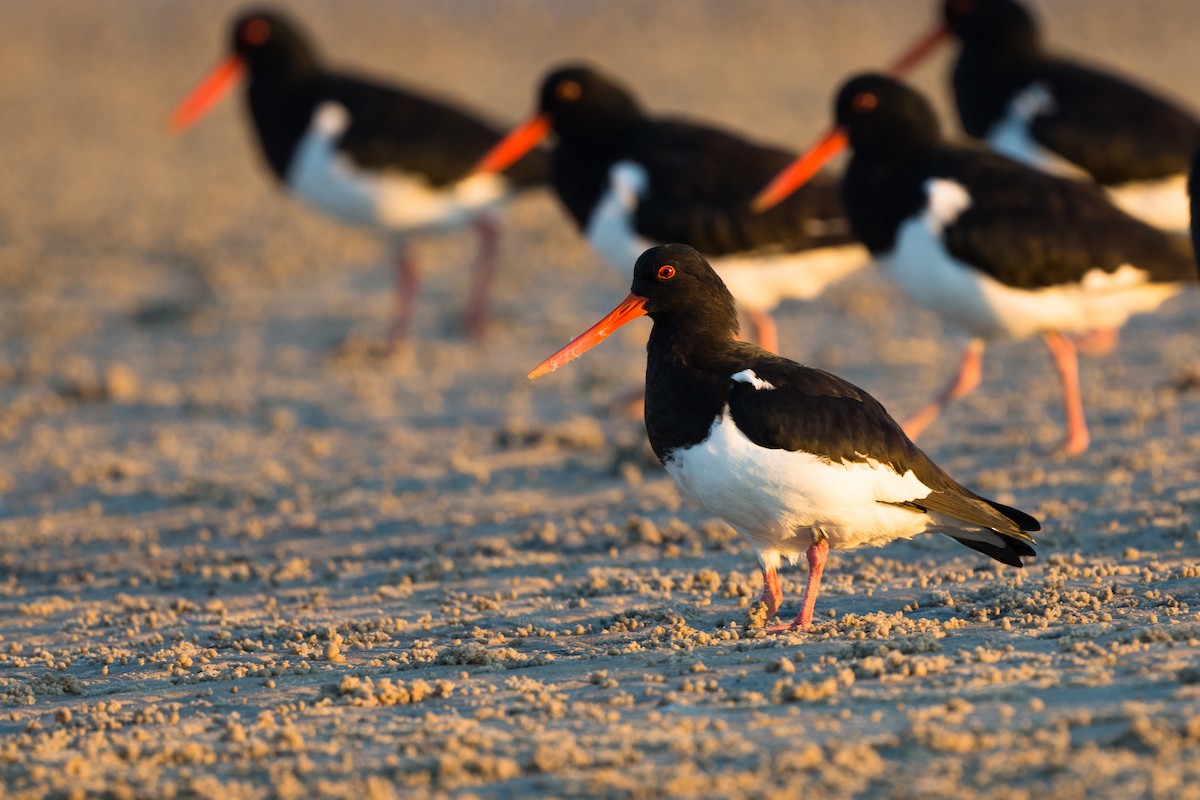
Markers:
(970, 373)
(1065, 358)
(766, 335)
(1099, 342)
(772, 594)
(408, 279)
(485, 266)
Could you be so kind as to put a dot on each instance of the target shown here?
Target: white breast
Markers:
(776, 499)
(394, 200)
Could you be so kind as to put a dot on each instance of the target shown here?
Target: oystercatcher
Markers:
(630, 180)
(365, 152)
(797, 460)
(1067, 117)
(1001, 249)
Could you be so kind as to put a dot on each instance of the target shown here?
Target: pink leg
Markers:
(970, 373)
(765, 334)
(485, 266)
(816, 553)
(772, 594)
(1099, 342)
(408, 279)
(1065, 358)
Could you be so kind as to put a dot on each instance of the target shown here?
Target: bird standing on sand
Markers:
(365, 152)
(797, 460)
(1064, 116)
(631, 180)
(998, 248)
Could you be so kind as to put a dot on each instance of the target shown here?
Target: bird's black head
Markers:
(881, 115)
(266, 38)
(993, 24)
(679, 284)
(584, 105)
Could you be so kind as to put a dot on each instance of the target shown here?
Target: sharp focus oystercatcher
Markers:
(631, 180)
(1002, 249)
(797, 460)
(1067, 117)
(364, 152)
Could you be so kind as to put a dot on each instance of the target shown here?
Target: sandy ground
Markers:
(241, 558)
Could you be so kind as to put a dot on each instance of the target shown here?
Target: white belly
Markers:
(777, 499)
(394, 201)
(1161, 203)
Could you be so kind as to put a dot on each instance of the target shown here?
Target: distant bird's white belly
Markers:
(758, 281)
(777, 499)
(921, 265)
(762, 281)
(393, 200)
(1162, 203)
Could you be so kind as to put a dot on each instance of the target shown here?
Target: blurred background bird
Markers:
(630, 179)
(1067, 116)
(366, 152)
(998, 248)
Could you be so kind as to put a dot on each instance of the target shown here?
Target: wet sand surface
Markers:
(243, 557)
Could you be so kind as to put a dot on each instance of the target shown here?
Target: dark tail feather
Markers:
(1022, 520)
(1009, 552)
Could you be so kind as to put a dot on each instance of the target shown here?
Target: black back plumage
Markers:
(1025, 228)
(692, 358)
(701, 178)
(1114, 129)
(389, 126)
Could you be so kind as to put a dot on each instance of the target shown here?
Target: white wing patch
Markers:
(947, 201)
(748, 376)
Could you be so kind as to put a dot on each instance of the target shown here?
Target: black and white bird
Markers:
(630, 180)
(999, 248)
(797, 460)
(1068, 117)
(365, 152)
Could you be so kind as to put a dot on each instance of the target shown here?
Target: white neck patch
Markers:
(947, 201)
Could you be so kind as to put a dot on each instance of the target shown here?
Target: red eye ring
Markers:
(666, 272)
(256, 31)
(864, 101)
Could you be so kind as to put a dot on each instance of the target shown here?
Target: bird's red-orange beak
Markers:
(631, 308)
(800, 171)
(834, 141)
(211, 89)
(919, 50)
(517, 143)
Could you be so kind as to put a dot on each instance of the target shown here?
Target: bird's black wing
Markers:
(1030, 230)
(1111, 127)
(702, 180)
(798, 408)
(391, 127)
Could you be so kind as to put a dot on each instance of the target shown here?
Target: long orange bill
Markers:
(517, 143)
(214, 86)
(801, 170)
(919, 50)
(630, 308)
